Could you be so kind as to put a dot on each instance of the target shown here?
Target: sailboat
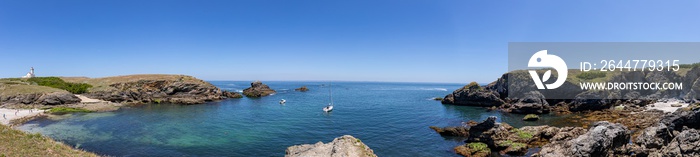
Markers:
(283, 101)
(329, 108)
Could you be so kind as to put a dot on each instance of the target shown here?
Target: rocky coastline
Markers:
(606, 123)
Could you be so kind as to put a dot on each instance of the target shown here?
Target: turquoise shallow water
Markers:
(391, 118)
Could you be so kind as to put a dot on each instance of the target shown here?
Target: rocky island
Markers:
(302, 89)
(258, 89)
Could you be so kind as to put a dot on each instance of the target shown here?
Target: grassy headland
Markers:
(19, 143)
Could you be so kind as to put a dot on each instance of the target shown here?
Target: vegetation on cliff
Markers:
(55, 82)
(19, 143)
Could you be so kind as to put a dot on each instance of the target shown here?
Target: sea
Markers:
(393, 119)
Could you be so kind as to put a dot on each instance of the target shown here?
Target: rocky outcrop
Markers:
(452, 131)
(344, 146)
(258, 89)
(600, 140)
(473, 95)
(137, 89)
(661, 133)
(53, 98)
(302, 89)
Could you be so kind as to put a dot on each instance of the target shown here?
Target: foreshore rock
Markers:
(600, 140)
(302, 89)
(344, 146)
(136, 89)
(504, 139)
(258, 89)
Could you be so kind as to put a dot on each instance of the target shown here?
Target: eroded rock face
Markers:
(258, 89)
(344, 146)
(687, 143)
(186, 90)
(600, 140)
(54, 98)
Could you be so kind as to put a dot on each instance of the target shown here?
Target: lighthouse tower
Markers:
(30, 74)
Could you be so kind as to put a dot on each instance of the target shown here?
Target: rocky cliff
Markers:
(344, 146)
(135, 89)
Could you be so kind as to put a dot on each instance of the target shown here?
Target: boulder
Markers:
(302, 89)
(532, 102)
(592, 100)
(600, 140)
(475, 149)
(344, 146)
(258, 89)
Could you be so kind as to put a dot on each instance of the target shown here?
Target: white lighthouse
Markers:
(30, 74)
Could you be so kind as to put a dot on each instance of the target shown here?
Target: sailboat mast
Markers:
(330, 92)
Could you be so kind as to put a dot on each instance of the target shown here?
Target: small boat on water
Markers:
(283, 101)
(329, 108)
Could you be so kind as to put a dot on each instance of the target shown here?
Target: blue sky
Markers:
(402, 40)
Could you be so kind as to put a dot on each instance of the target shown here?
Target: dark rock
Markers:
(58, 98)
(662, 133)
(533, 102)
(687, 143)
(452, 131)
(258, 89)
(302, 89)
(232, 94)
(592, 100)
(600, 140)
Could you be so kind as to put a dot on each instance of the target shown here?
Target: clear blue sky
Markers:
(403, 40)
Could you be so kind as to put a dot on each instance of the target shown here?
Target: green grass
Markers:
(523, 134)
(531, 116)
(55, 82)
(515, 145)
(19, 143)
(472, 85)
(64, 110)
(479, 147)
(689, 65)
